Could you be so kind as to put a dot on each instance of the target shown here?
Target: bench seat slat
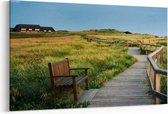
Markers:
(68, 80)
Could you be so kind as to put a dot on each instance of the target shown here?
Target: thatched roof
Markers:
(18, 27)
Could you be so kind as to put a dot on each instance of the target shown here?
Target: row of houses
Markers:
(32, 28)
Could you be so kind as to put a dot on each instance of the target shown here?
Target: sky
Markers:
(77, 17)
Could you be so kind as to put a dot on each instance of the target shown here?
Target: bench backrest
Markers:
(59, 68)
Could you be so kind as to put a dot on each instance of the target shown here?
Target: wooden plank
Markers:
(128, 88)
(157, 87)
(87, 95)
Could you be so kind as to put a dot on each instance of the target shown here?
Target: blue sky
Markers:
(76, 17)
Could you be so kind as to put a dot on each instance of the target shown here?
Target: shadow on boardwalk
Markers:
(128, 88)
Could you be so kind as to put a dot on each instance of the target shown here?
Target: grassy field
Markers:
(29, 76)
(31, 52)
(102, 33)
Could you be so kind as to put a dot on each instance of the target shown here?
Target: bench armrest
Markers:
(79, 68)
(85, 70)
(66, 76)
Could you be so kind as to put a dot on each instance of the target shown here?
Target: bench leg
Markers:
(53, 91)
(86, 81)
(87, 84)
(75, 90)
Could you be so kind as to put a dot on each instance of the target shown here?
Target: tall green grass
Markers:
(29, 75)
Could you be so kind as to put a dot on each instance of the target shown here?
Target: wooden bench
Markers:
(60, 75)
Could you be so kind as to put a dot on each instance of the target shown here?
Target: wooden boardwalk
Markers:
(128, 88)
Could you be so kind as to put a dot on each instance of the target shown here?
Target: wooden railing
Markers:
(114, 41)
(154, 73)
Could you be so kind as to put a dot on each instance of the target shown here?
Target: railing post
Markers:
(157, 87)
(152, 75)
(149, 67)
(158, 58)
(161, 56)
(160, 53)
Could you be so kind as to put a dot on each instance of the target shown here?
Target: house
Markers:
(47, 29)
(31, 28)
(26, 28)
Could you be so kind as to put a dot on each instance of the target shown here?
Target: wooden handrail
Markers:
(153, 72)
(107, 41)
